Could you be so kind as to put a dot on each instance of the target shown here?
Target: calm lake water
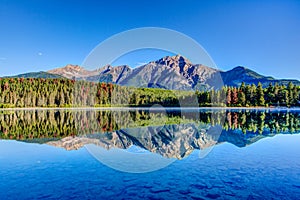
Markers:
(150, 154)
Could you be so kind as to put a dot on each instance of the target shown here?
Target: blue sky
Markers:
(41, 35)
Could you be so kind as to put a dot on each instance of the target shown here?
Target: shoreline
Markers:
(147, 108)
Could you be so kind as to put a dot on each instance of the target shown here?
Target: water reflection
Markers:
(172, 134)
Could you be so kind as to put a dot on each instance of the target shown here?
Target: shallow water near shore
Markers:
(229, 154)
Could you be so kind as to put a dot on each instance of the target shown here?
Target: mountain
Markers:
(72, 71)
(170, 72)
(36, 75)
(110, 74)
(240, 74)
(107, 73)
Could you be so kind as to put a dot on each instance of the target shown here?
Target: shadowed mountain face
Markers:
(172, 134)
(109, 74)
(170, 72)
(239, 74)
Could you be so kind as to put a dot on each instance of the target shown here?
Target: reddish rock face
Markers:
(71, 71)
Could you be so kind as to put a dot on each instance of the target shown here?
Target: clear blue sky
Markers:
(262, 35)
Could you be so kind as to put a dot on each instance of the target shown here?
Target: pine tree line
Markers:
(38, 92)
(273, 95)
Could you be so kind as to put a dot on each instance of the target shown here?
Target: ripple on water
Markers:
(197, 198)
(213, 196)
(198, 186)
(296, 186)
(228, 192)
(184, 192)
(155, 191)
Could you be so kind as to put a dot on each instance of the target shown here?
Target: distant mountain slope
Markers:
(73, 71)
(103, 74)
(240, 74)
(36, 75)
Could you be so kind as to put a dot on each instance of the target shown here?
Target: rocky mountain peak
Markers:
(73, 67)
(172, 61)
(70, 71)
(181, 59)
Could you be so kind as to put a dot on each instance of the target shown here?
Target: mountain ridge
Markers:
(40, 74)
(169, 72)
(239, 74)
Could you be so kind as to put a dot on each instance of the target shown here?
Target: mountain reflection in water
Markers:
(170, 133)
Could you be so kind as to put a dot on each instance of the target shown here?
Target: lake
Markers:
(150, 154)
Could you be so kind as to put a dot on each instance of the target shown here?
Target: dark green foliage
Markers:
(260, 97)
(252, 95)
(39, 92)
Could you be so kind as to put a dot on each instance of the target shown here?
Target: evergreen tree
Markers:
(234, 98)
(31, 92)
(269, 95)
(253, 95)
(228, 99)
(241, 98)
(260, 95)
(291, 93)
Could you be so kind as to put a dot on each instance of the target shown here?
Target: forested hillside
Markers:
(39, 92)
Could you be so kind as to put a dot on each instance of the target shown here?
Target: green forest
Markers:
(39, 92)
